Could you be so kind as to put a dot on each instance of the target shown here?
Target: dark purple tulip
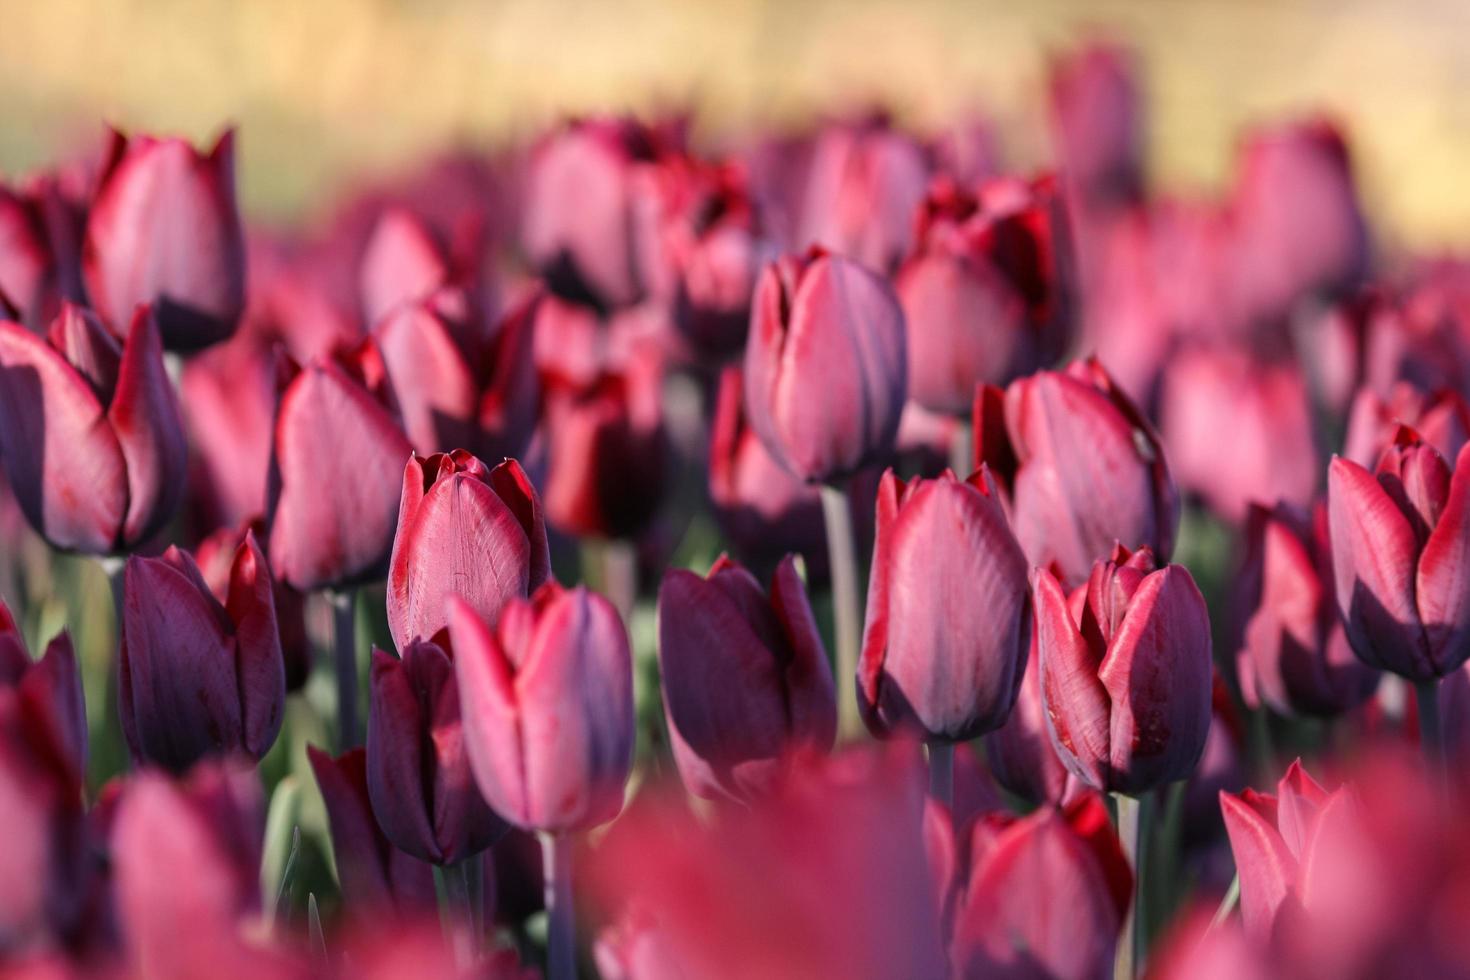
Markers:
(336, 466)
(418, 774)
(745, 678)
(40, 240)
(90, 433)
(1097, 122)
(215, 556)
(164, 229)
(1125, 672)
(1020, 754)
(199, 677)
(49, 692)
(826, 366)
(949, 618)
(464, 530)
(402, 263)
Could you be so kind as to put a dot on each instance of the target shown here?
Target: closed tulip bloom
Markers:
(1442, 419)
(949, 618)
(164, 229)
(718, 250)
(199, 677)
(986, 293)
(40, 245)
(215, 557)
(547, 702)
(336, 465)
(1293, 654)
(1400, 537)
(49, 692)
(1020, 754)
(1125, 672)
(745, 678)
(1046, 895)
(418, 775)
(826, 365)
(465, 530)
(90, 434)
(1097, 117)
(228, 397)
(401, 263)
(1088, 468)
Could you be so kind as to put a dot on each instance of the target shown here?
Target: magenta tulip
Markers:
(1097, 120)
(1442, 419)
(228, 397)
(49, 693)
(717, 249)
(402, 263)
(40, 247)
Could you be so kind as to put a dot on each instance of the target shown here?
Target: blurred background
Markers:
(334, 89)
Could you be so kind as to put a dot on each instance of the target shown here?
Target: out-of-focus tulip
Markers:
(1088, 468)
(1097, 122)
(216, 559)
(1202, 949)
(1221, 768)
(1125, 672)
(826, 365)
(336, 466)
(547, 703)
(40, 247)
(228, 397)
(1442, 419)
(745, 678)
(948, 615)
(376, 877)
(456, 387)
(197, 676)
(986, 293)
(1046, 895)
(401, 264)
(1020, 753)
(1293, 654)
(465, 530)
(1238, 430)
(418, 775)
(49, 692)
(1400, 537)
(164, 229)
(90, 432)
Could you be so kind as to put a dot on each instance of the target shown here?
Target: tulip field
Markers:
(646, 552)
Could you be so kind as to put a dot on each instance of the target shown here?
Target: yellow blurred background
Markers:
(327, 89)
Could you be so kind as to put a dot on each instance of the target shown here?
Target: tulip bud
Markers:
(745, 678)
(1097, 122)
(164, 229)
(1125, 672)
(825, 366)
(717, 249)
(1089, 470)
(1020, 753)
(50, 695)
(90, 434)
(463, 530)
(986, 293)
(336, 466)
(1442, 419)
(401, 264)
(949, 619)
(547, 702)
(418, 777)
(199, 677)
(1399, 543)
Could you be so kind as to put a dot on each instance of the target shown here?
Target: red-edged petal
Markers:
(402, 263)
(144, 414)
(435, 387)
(251, 606)
(810, 693)
(489, 706)
(1442, 582)
(1077, 705)
(1264, 863)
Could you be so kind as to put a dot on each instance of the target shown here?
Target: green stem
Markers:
(458, 915)
(1227, 904)
(1131, 836)
(344, 639)
(941, 773)
(961, 459)
(561, 941)
(846, 604)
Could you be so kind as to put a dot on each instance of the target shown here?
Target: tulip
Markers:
(1097, 122)
(745, 678)
(228, 396)
(164, 229)
(1293, 654)
(717, 250)
(465, 530)
(402, 263)
(986, 293)
(1046, 895)
(1125, 672)
(90, 434)
(49, 693)
(196, 676)
(337, 460)
(418, 776)
(949, 618)
(375, 876)
(1442, 419)
(1020, 752)
(826, 365)
(38, 245)
(1089, 470)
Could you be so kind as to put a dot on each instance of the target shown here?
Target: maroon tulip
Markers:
(1046, 895)
(39, 248)
(90, 434)
(49, 693)
(1020, 753)
(1293, 655)
(1088, 468)
(228, 396)
(1125, 672)
(164, 229)
(1442, 419)
(1400, 537)
(745, 678)
(197, 676)
(376, 877)
(216, 559)
(547, 702)
(716, 246)
(986, 293)
(456, 388)
(1097, 122)
(463, 530)
(949, 619)
(418, 774)
(336, 465)
(825, 367)
(402, 263)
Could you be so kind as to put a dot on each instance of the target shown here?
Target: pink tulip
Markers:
(401, 264)
(1442, 419)
(1097, 121)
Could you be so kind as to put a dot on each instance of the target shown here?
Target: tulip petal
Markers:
(875, 630)
(435, 388)
(251, 607)
(145, 415)
(810, 692)
(1077, 706)
(399, 771)
(401, 263)
(489, 708)
(1442, 582)
(1263, 862)
(516, 491)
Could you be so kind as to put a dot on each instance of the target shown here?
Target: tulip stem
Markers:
(846, 604)
(113, 567)
(1227, 904)
(459, 913)
(1431, 733)
(344, 639)
(941, 773)
(1131, 836)
(620, 576)
(556, 874)
(961, 459)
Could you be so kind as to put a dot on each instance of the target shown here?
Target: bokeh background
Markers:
(328, 90)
